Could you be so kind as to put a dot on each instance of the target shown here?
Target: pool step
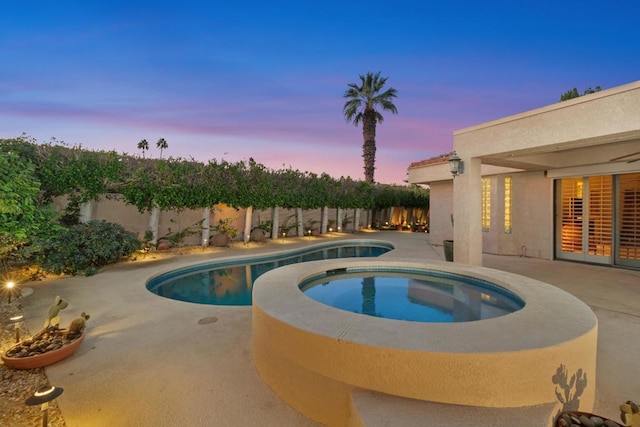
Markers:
(372, 409)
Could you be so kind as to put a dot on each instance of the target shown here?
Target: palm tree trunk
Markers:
(369, 296)
(369, 145)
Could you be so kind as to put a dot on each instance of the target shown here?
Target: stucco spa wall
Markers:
(314, 356)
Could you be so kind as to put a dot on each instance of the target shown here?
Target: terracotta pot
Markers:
(448, 250)
(220, 240)
(44, 359)
(577, 414)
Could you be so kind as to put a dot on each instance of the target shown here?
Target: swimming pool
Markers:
(425, 296)
(230, 282)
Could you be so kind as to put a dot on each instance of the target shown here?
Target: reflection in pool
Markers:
(428, 296)
(225, 283)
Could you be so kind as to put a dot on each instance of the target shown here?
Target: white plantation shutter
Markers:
(571, 214)
(629, 217)
(600, 215)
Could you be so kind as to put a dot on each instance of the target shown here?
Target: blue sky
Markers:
(235, 80)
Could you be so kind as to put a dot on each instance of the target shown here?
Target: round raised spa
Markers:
(417, 296)
(315, 356)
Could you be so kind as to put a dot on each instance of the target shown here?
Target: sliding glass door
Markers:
(628, 220)
(598, 219)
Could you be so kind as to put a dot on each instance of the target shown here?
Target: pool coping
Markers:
(278, 295)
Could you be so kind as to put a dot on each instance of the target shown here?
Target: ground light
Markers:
(10, 289)
(16, 321)
(43, 396)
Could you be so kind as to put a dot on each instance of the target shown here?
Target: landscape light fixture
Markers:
(456, 164)
(43, 396)
(16, 321)
(10, 289)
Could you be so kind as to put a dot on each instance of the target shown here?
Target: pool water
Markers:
(231, 283)
(427, 296)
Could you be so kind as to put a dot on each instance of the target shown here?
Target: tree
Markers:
(162, 145)
(144, 146)
(22, 217)
(573, 93)
(361, 107)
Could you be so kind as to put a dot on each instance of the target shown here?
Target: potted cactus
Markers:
(51, 344)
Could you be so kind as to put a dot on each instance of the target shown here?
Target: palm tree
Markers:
(144, 146)
(162, 145)
(369, 296)
(361, 107)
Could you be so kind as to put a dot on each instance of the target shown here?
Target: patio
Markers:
(148, 361)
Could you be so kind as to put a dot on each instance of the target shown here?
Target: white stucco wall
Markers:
(441, 196)
(531, 216)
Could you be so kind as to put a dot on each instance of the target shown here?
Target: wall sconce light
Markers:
(456, 164)
(43, 396)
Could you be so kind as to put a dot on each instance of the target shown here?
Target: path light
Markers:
(16, 321)
(43, 396)
(456, 164)
(309, 234)
(10, 289)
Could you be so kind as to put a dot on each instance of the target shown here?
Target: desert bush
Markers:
(84, 248)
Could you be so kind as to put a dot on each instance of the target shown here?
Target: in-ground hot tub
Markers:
(314, 355)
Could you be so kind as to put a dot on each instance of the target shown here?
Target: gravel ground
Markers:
(16, 385)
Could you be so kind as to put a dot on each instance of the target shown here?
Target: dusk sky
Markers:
(264, 79)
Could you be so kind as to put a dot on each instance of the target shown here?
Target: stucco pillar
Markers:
(356, 220)
(86, 212)
(275, 222)
(154, 220)
(339, 220)
(325, 220)
(248, 216)
(299, 223)
(205, 227)
(467, 210)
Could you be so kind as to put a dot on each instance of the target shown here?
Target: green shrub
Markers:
(84, 248)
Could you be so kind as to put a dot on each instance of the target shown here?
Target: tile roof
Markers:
(442, 158)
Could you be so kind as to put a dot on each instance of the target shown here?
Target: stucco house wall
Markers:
(531, 216)
(440, 227)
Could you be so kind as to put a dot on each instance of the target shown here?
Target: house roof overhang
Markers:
(603, 127)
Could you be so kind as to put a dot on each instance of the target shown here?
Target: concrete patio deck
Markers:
(148, 361)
